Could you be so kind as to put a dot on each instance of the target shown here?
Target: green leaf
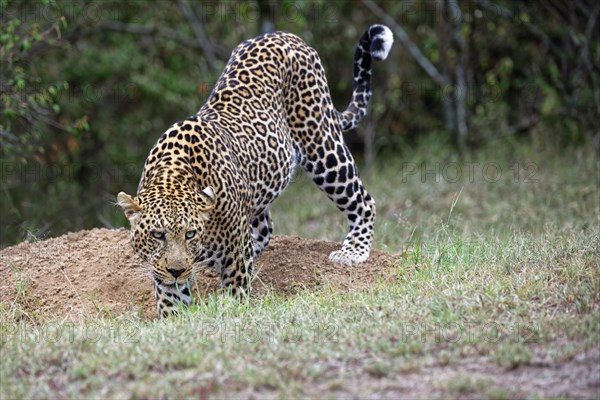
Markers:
(25, 45)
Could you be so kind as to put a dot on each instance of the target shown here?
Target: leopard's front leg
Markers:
(169, 299)
(237, 264)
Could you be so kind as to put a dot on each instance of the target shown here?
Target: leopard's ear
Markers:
(130, 206)
(207, 198)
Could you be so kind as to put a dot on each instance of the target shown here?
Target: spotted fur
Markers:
(209, 181)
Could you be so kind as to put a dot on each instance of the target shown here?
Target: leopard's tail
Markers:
(375, 43)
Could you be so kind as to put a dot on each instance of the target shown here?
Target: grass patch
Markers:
(499, 269)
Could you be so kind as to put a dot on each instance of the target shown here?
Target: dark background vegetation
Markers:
(86, 87)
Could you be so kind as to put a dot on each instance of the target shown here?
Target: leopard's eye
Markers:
(190, 235)
(159, 235)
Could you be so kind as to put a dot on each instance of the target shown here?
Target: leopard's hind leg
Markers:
(262, 229)
(325, 156)
(338, 177)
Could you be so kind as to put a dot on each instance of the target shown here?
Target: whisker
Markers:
(201, 268)
(142, 274)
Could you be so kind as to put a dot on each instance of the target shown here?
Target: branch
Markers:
(201, 38)
(533, 29)
(461, 111)
(6, 134)
(143, 30)
(149, 31)
(496, 8)
(523, 127)
(446, 67)
(412, 48)
(43, 38)
(584, 56)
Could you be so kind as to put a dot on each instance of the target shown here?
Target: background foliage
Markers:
(86, 87)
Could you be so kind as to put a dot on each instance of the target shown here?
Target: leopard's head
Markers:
(167, 230)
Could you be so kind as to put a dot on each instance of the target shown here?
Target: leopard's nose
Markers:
(175, 272)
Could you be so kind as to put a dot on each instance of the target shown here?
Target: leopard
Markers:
(208, 183)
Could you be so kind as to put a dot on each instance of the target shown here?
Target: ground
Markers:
(83, 273)
(89, 275)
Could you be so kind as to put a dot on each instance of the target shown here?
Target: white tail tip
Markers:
(381, 42)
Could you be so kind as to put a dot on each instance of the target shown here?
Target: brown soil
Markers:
(79, 275)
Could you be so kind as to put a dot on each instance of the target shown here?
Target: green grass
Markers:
(500, 191)
(500, 274)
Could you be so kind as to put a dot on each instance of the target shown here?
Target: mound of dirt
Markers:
(82, 274)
